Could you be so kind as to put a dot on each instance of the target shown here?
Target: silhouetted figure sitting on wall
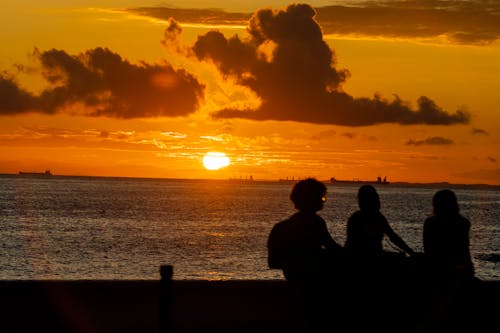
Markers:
(303, 248)
(367, 227)
(446, 238)
(378, 280)
(449, 274)
(301, 245)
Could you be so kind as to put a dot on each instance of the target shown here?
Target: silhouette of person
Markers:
(301, 245)
(367, 226)
(376, 278)
(304, 250)
(446, 237)
(450, 271)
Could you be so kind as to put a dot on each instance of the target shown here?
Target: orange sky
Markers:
(93, 89)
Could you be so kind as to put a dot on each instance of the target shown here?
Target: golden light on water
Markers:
(215, 160)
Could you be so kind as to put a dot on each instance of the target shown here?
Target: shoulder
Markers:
(430, 220)
(357, 215)
(285, 224)
(381, 217)
(464, 221)
(281, 225)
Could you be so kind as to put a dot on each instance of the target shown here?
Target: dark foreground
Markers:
(353, 305)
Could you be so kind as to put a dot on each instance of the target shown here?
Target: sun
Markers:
(215, 160)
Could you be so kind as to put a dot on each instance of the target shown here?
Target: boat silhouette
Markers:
(358, 181)
(34, 173)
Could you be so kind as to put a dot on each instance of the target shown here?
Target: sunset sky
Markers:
(347, 89)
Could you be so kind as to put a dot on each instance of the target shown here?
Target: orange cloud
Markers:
(105, 84)
(300, 82)
(461, 21)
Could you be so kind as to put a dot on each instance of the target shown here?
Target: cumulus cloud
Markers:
(14, 99)
(105, 84)
(432, 141)
(286, 62)
(460, 21)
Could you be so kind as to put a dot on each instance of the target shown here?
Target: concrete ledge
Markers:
(235, 306)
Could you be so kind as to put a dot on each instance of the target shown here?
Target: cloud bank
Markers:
(475, 22)
(105, 84)
(286, 62)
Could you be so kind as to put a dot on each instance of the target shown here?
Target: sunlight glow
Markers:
(215, 160)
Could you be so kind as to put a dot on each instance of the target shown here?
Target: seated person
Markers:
(301, 245)
(367, 227)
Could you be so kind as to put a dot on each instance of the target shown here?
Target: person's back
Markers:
(367, 226)
(304, 250)
(449, 273)
(300, 244)
(365, 232)
(446, 236)
(296, 246)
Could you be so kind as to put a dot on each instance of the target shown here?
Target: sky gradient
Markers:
(406, 90)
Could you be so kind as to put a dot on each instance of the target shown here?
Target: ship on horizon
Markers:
(35, 173)
(358, 181)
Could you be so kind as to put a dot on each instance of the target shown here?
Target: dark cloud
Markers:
(432, 141)
(461, 21)
(492, 159)
(349, 135)
(286, 62)
(107, 85)
(14, 99)
(478, 131)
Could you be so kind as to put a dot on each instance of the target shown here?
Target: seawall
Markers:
(230, 306)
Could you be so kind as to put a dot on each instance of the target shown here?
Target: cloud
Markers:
(478, 131)
(174, 135)
(14, 99)
(432, 141)
(460, 21)
(198, 16)
(492, 159)
(349, 135)
(289, 66)
(105, 84)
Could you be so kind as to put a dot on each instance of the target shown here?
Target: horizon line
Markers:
(256, 180)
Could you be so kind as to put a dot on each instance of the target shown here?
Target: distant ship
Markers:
(241, 180)
(34, 173)
(357, 181)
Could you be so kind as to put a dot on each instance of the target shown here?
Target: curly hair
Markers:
(307, 193)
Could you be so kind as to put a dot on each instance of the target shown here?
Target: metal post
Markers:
(165, 315)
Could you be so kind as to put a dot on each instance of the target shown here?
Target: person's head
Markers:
(368, 199)
(444, 202)
(308, 195)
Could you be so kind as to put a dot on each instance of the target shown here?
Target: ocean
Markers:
(82, 228)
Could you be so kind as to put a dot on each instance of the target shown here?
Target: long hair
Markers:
(368, 199)
(444, 202)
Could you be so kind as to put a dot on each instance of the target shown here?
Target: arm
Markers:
(327, 239)
(274, 255)
(395, 239)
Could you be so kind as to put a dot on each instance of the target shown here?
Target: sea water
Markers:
(125, 228)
